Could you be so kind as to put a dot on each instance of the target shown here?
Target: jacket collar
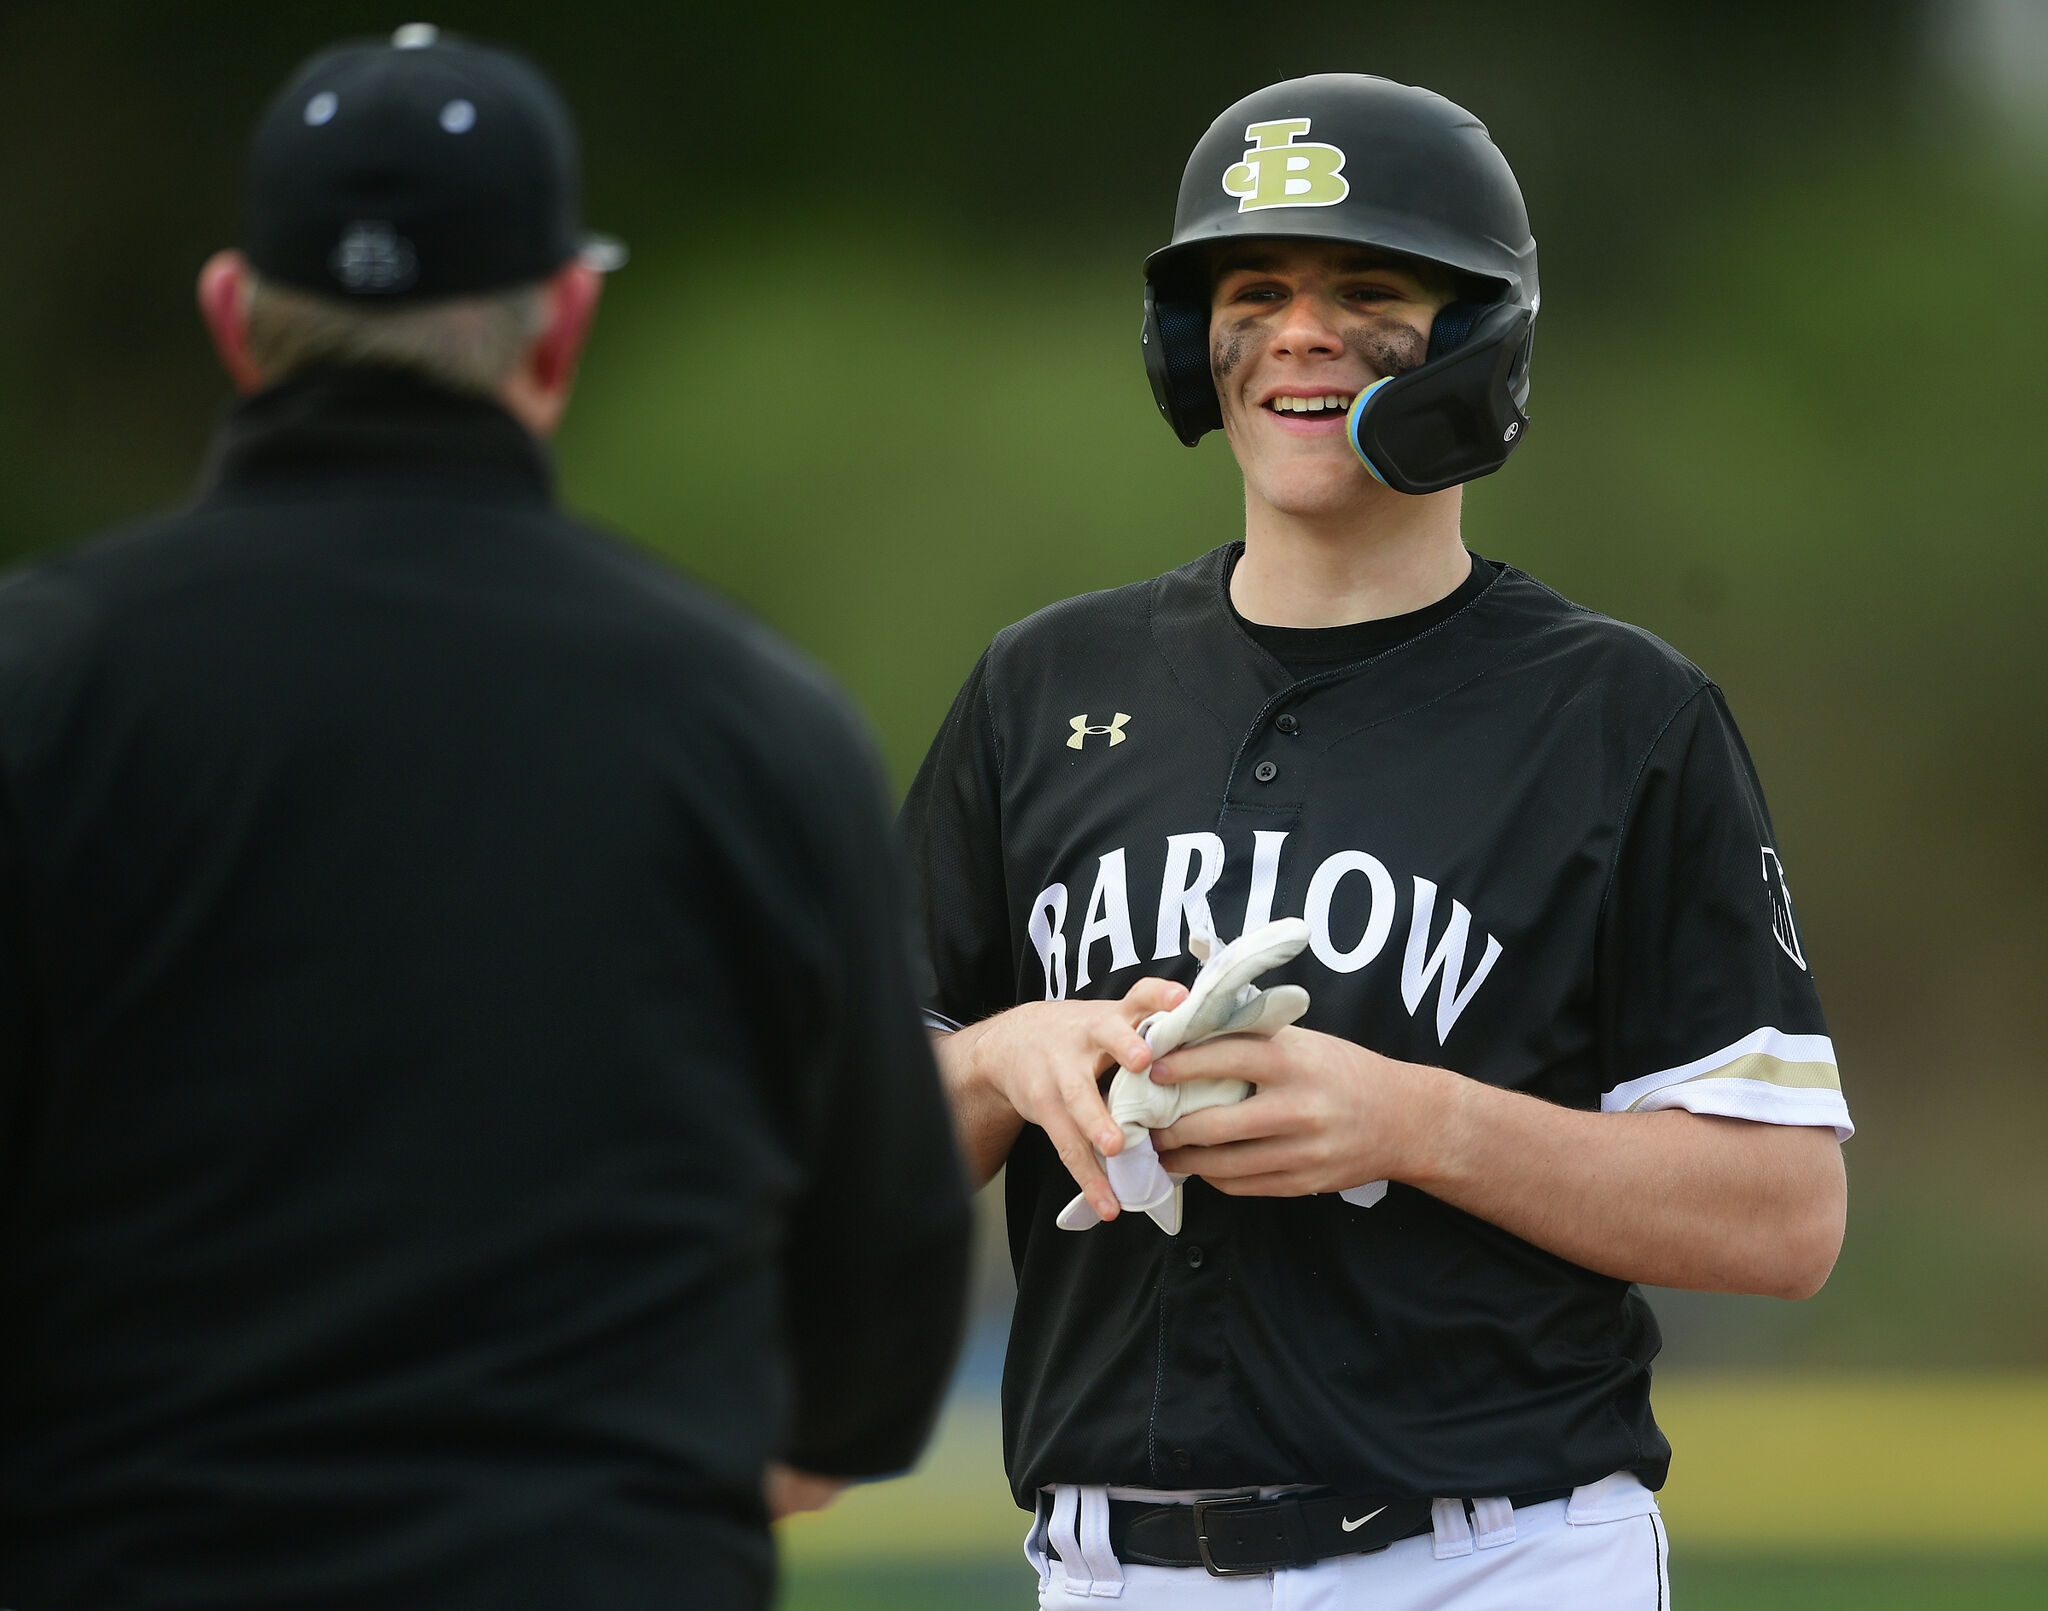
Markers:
(384, 425)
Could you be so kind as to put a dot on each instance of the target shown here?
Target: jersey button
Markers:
(1195, 1257)
(1265, 771)
(1183, 1459)
(1286, 723)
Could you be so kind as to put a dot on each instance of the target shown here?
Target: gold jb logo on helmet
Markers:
(1283, 170)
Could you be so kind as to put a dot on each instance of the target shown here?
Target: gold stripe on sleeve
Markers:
(1766, 1070)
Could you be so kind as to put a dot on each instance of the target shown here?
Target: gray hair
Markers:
(466, 343)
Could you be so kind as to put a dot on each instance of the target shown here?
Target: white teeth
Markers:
(1337, 401)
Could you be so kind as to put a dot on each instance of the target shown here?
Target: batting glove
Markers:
(1223, 1001)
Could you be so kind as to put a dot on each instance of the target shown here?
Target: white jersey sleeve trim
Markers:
(1767, 1076)
(939, 1022)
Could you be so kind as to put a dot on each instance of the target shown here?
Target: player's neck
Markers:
(1397, 555)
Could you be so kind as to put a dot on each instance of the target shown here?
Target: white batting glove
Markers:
(1224, 1001)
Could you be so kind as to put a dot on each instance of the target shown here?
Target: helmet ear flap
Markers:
(1456, 417)
(1175, 338)
(1453, 326)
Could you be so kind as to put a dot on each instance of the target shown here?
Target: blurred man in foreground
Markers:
(460, 1091)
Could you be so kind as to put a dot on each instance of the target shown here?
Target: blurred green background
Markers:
(873, 371)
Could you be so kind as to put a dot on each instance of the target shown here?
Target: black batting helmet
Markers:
(1364, 161)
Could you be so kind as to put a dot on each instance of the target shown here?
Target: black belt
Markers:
(1246, 1536)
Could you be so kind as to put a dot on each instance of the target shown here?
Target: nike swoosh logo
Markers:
(1353, 1526)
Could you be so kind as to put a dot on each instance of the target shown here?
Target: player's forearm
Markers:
(1674, 1199)
(985, 1125)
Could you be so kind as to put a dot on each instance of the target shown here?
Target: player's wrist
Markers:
(1435, 1143)
(985, 1121)
(979, 1063)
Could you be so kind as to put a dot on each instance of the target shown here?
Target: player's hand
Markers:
(789, 1490)
(1047, 1060)
(1327, 1115)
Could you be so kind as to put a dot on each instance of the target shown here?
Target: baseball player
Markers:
(1556, 994)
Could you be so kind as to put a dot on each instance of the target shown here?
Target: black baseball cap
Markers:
(417, 167)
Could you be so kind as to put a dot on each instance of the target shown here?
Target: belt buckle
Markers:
(1202, 1509)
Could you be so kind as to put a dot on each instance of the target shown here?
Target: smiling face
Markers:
(1296, 331)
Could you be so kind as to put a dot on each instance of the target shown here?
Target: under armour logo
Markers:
(1783, 929)
(1114, 728)
(374, 257)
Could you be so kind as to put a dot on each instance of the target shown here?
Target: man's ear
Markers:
(224, 305)
(572, 303)
(538, 390)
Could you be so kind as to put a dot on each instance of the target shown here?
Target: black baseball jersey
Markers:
(461, 1087)
(1530, 846)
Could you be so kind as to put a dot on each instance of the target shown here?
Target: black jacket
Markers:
(462, 1106)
